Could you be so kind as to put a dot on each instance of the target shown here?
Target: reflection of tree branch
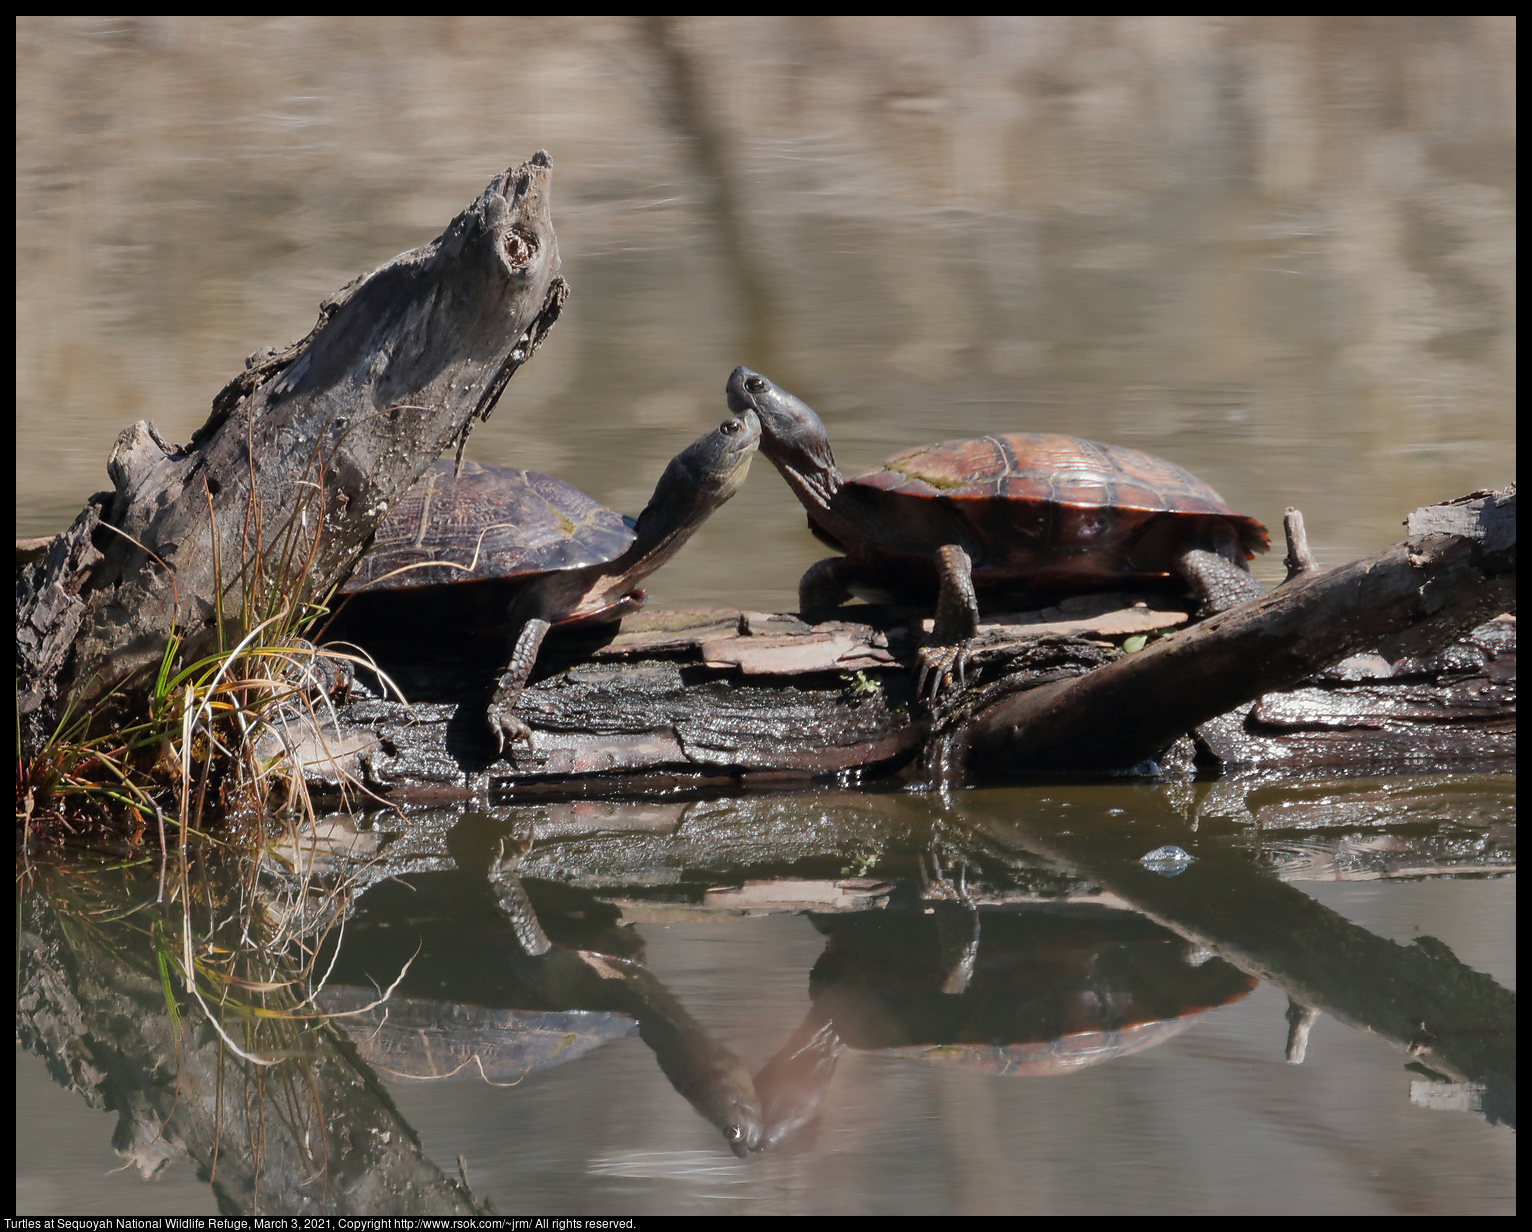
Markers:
(1458, 1021)
(324, 1140)
(686, 108)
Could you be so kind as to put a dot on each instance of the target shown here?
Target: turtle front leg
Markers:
(502, 707)
(944, 658)
(824, 585)
(515, 906)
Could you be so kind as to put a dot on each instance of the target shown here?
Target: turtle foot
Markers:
(507, 728)
(942, 666)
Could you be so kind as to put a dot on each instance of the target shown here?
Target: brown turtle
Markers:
(1018, 510)
(534, 552)
(1052, 989)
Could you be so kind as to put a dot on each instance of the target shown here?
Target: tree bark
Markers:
(274, 497)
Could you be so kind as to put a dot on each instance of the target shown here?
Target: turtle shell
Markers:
(1054, 990)
(1048, 508)
(437, 1040)
(495, 521)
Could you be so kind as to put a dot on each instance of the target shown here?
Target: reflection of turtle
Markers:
(553, 993)
(710, 1077)
(528, 551)
(411, 1038)
(1030, 510)
(1050, 991)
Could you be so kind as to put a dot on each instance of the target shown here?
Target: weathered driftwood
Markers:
(302, 456)
(699, 699)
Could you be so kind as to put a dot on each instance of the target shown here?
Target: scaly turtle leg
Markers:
(824, 585)
(944, 657)
(1217, 581)
(502, 707)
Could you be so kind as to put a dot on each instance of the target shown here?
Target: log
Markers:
(273, 499)
(722, 698)
(1455, 571)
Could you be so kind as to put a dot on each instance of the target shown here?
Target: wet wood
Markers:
(274, 497)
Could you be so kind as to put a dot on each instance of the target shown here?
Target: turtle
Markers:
(1053, 989)
(706, 1073)
(533, 552)
(1018, 510)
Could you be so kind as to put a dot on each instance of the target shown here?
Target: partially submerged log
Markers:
(698, 700)
(277, 493)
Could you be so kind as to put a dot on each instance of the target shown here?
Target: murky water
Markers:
(1111, 1046)
(1278, 251)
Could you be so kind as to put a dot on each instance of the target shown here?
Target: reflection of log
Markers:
(314, 1135)
(772, 853)
(277, 493)
(1420, 997)
(697, 699)
(850, 852)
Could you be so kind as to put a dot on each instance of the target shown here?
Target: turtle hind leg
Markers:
(944, 658)
(824, 585)
(503, 720)
(1217, 582)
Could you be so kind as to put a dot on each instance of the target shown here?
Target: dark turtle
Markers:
(1017, 510)
(540, 552)
(706, 1073)
(1051, 990)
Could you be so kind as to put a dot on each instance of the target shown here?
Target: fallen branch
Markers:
(1457, 570)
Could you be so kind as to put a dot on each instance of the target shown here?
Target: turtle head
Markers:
(698, 480)
(742, 1129)
(792, 436)
(709, 470)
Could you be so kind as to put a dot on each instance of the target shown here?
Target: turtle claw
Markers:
(943, 666)
(507, 728)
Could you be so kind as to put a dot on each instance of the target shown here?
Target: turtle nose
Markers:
(741, 390)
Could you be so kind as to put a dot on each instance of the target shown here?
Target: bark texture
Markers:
(1456, 570)
(275, 496)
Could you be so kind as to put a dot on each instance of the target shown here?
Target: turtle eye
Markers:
(729, 427)
(734, 1133)
(755, 385)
